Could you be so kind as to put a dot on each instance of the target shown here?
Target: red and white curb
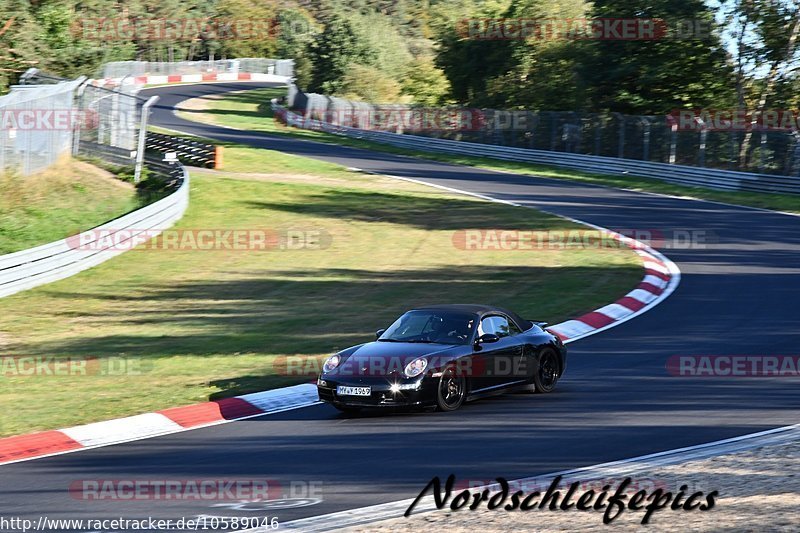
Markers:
(192, 78)
(175, 420)
(661, 278)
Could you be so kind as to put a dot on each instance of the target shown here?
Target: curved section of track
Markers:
(738, 296)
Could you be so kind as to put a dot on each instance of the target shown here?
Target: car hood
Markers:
(390, 358)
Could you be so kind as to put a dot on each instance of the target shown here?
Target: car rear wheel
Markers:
(451, 391)
(546, 371)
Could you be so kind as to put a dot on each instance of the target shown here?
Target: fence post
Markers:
(598, 128)
(701, 156)
(113, 139)
(76, 134)
(621, 118)
(645, 138)
(673, 138)
(532, 125)
(137, 173)
(795, 154)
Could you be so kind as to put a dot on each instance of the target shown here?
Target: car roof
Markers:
(478, 309)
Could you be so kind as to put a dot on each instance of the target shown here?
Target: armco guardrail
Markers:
(190, 152)
(678, 174)
(30, 268)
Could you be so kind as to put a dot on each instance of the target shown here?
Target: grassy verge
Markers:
(249, 110)
(65, 199)
(171, 327)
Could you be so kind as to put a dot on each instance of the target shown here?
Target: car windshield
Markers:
(440, 327)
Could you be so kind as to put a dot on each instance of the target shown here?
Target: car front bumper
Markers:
(420, 392)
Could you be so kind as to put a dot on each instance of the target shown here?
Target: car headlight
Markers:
(416, 367)
(331, 363)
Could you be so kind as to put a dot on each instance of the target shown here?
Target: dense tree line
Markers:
(422, 51)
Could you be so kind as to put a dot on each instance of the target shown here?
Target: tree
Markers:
(426, 84)
(657, 76)
(369, 84)
(332, 53)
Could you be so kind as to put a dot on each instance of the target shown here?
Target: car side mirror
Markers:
(379, 333)
(487, 338)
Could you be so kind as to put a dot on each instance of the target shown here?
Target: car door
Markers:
(499, 359)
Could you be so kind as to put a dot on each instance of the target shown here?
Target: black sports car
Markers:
(440, 356)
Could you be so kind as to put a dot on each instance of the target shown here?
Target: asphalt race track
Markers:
(738, 296)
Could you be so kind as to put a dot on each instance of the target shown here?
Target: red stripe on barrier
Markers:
(657, 274)
(140, 80)
(649, 287)
(208, 412)
(210, 77)
(174, 78)
(245, 76)
(631, 303)
(596, 320)
(35, 445)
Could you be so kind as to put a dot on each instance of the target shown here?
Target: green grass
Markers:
(250, 110)
(67, 198)
(203, 325)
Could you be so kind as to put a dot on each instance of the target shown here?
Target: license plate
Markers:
(341, 390)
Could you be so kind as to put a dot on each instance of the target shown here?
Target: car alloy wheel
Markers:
(452, 389)
(546, 375)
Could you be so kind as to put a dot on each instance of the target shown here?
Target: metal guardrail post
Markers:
(137, 174)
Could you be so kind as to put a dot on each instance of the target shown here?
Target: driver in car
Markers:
(454, 329)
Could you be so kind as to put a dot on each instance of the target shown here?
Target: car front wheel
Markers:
(451, 391)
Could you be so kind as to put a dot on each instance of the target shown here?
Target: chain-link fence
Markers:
(36, 124)
(120, 69)
(47, 117)
(116, 118)
(647, 138)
